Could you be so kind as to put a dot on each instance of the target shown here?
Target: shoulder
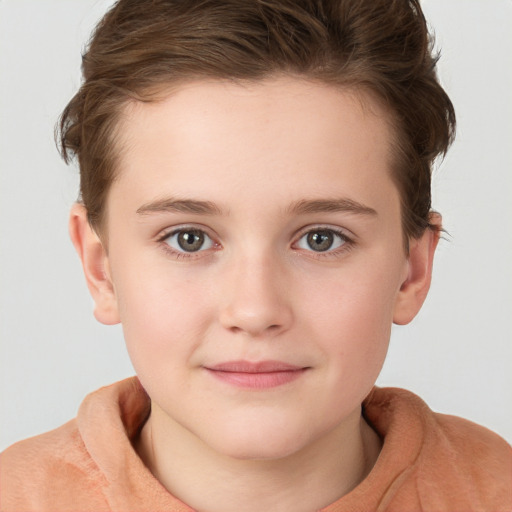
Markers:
(52, 471)
(482, 453)
(87, 464)
(449, 462)
(396, 409)
(468, 461)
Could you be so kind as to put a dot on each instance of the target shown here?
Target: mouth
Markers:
(256, 375)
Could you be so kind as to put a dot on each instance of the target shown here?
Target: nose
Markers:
(256, 299)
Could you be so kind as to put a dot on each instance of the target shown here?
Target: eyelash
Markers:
(347, 245)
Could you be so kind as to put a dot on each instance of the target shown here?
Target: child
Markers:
(255, 211)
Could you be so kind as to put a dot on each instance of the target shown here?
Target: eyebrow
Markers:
(180, 205)
(305, 206)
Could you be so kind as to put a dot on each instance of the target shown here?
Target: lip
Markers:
(256, 375)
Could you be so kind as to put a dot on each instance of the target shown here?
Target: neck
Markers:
(306, 480)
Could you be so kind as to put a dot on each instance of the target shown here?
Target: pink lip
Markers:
(259, 375)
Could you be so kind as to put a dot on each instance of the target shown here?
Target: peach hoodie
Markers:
(429, 462)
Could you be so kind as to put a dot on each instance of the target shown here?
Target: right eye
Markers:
(188, 240)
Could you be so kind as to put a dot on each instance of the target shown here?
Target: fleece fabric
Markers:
(429, 462)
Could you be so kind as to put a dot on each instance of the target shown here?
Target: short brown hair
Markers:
(380, 46)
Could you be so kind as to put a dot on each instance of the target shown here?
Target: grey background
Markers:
(457, 354)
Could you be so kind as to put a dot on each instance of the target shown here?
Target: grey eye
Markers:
(189, 240)
(321, 240)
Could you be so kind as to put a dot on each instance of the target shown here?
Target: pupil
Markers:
(320, 240)
(191, 241)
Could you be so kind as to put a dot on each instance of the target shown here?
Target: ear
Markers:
(414, 289)
(95, 264)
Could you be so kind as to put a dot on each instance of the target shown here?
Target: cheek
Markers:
(163, 314)
(353, 326)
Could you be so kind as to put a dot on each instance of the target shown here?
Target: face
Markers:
(256, 258)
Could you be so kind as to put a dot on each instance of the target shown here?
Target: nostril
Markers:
(271, 328)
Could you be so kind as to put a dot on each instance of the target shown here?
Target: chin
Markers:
(259, 443)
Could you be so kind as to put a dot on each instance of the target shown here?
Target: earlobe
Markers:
(415, 287)
(95, 265)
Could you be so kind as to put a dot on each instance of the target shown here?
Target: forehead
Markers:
(284, 136)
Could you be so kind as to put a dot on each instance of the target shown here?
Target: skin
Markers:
(256, 167)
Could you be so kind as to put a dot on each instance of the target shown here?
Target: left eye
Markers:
(189, 240)
(321, 240)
